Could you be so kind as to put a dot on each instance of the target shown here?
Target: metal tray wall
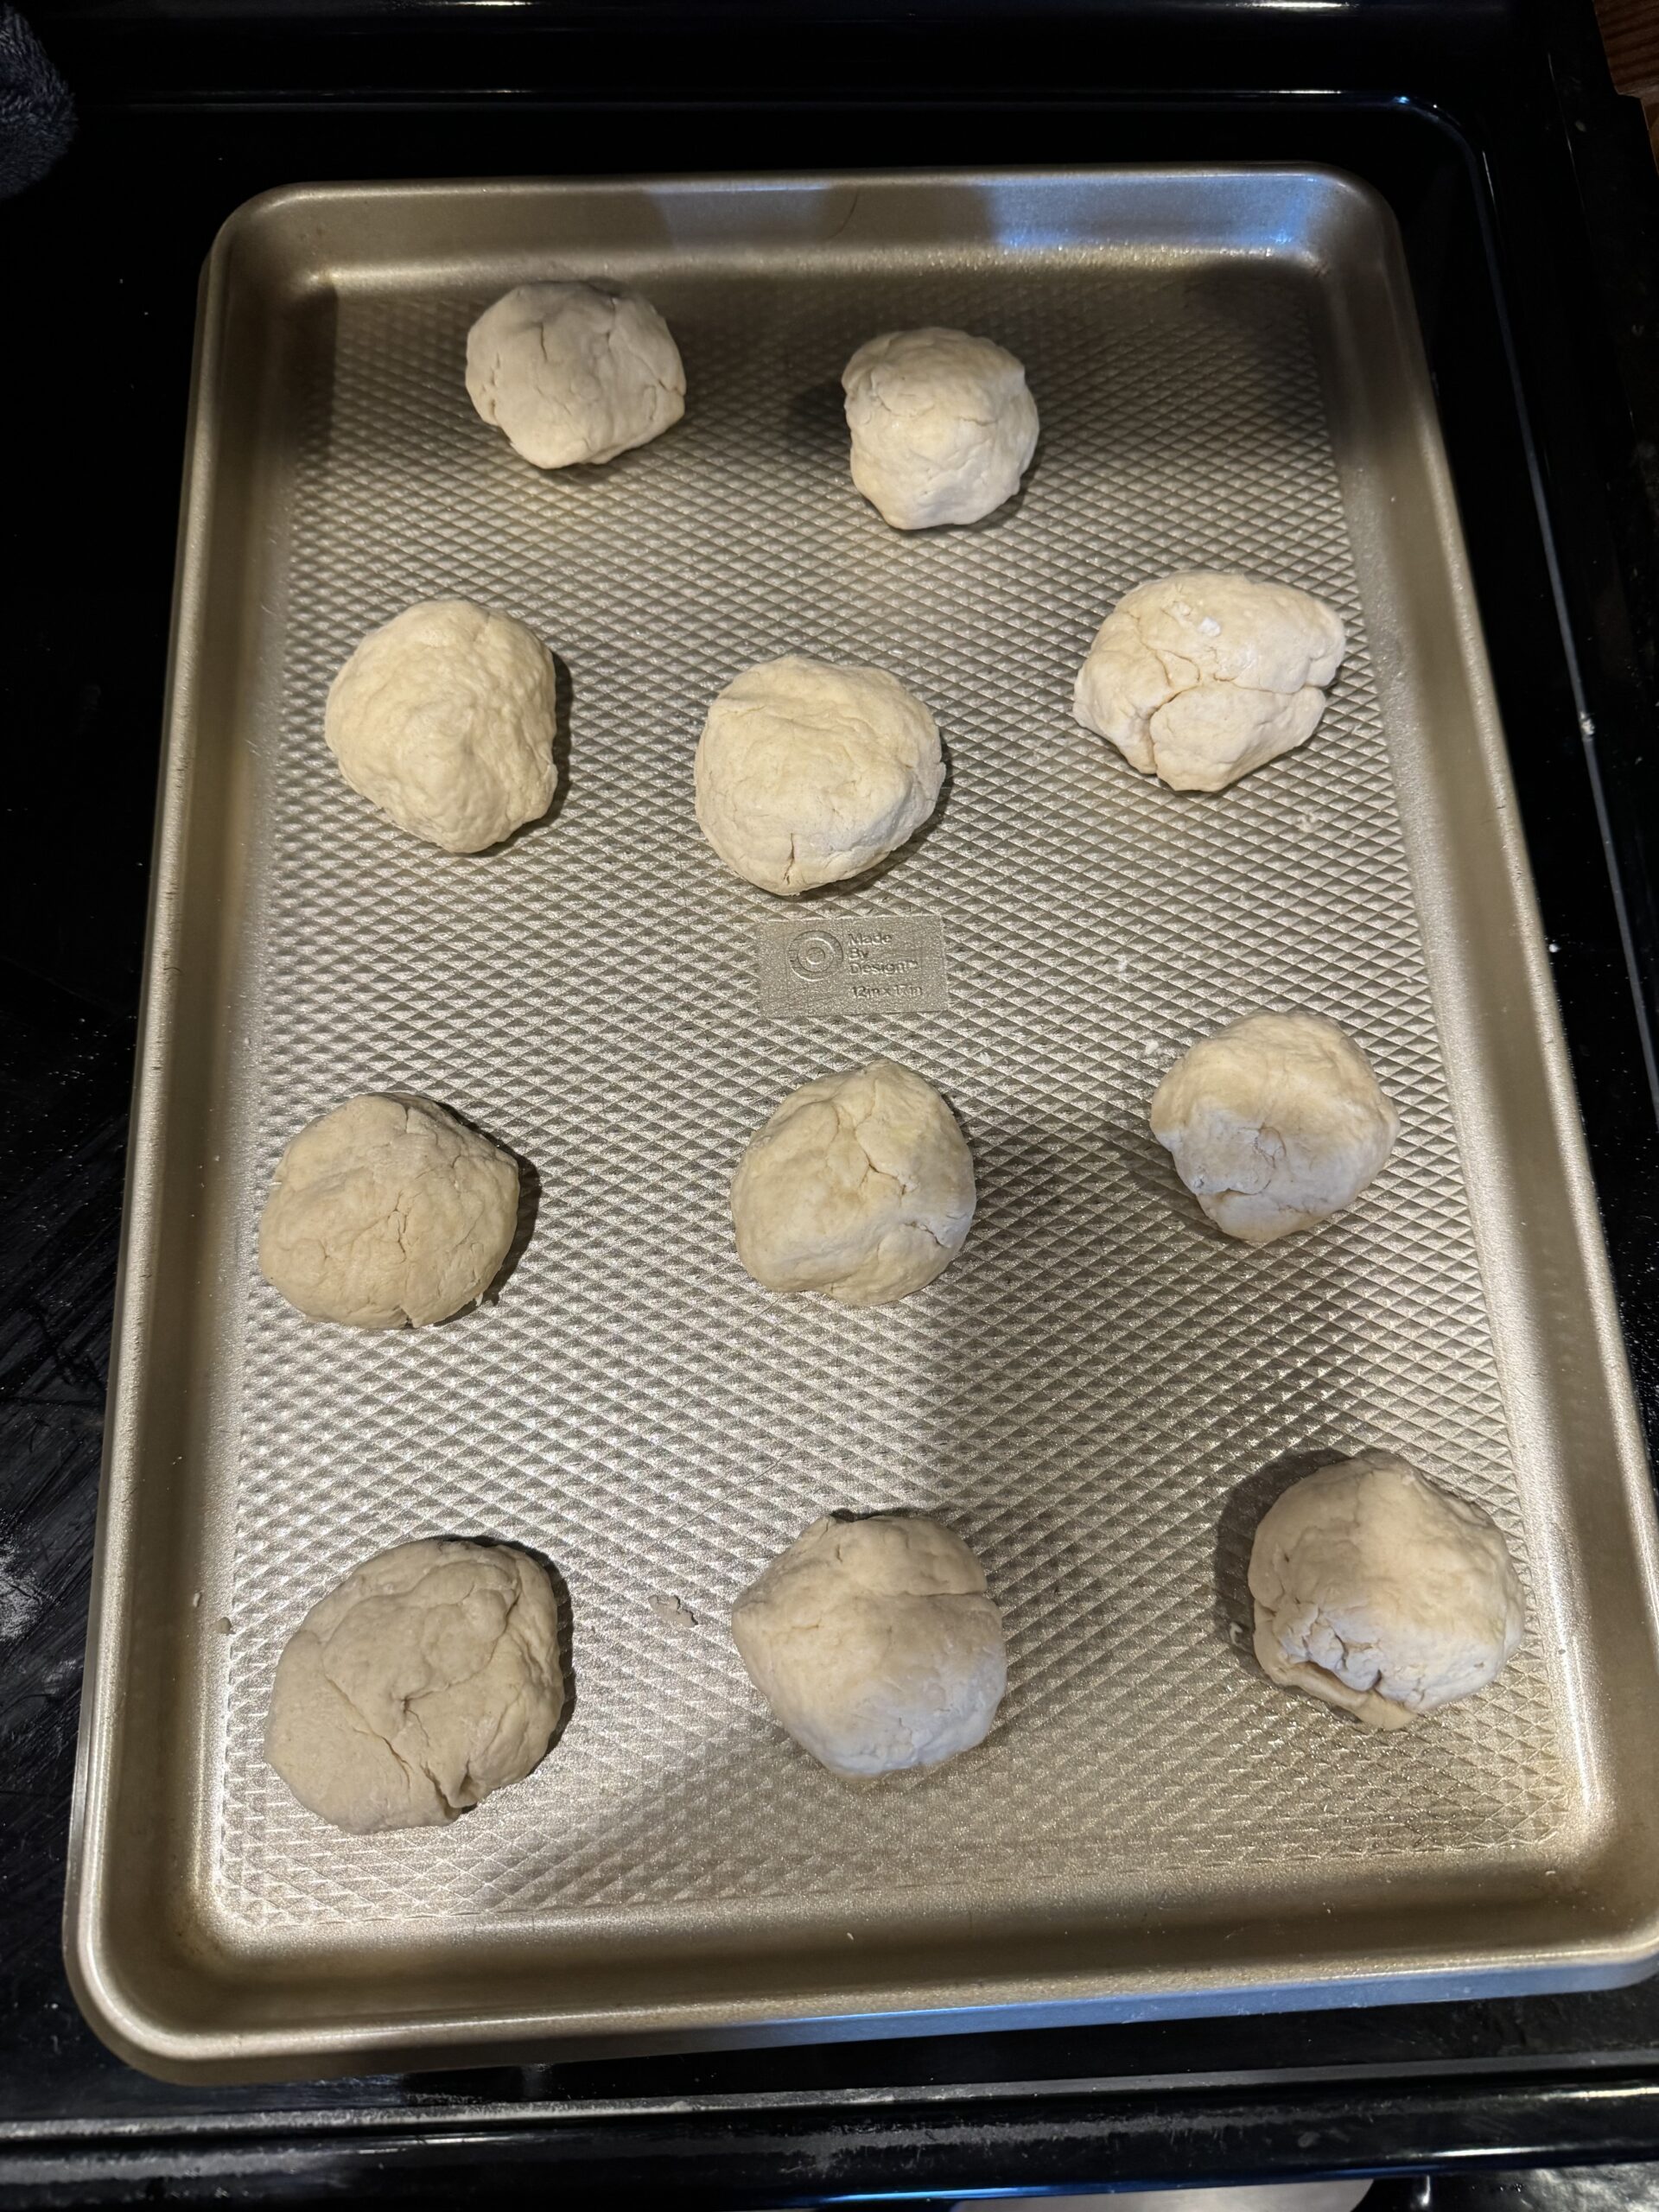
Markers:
(1099, 1395)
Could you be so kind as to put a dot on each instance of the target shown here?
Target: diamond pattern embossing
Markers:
(1084, 1389)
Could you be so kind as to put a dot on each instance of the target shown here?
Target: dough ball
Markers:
(429, 1677)
(942, 426)
(574, 371)
(444, 718)
(807, 772)
(1199, 678)
(875, 1643)
(1379, 1592)
(1275, 1123)
(387, 1210)
(859, 1186)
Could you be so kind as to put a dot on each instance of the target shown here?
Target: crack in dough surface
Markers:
(808, 771)
(444, 718)
(1200, 678)
(429, 1678)
(387, 1211)
(876, 1644)
(942, 426)
(1379, 1592)
(859, 1186)
(572, 372)
(1274, 1123)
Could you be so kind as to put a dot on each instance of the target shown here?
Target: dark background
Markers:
(1531, 215)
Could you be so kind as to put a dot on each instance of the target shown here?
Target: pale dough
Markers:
(388, 1210)
(807, 772)
(1378, 1591)
(428, 1678)
(875, 1644)
(1200, 678)
(859, 1186)
(575, 373)
(942, 426)
(445, 719)
(1275, 1122)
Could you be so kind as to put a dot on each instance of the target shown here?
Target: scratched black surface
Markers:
(106, 256)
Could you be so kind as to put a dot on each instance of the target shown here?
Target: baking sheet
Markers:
(1101, 1393)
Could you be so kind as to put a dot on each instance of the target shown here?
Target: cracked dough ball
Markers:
(807, 772)
(1275, 1123)
(1198, 678)
(388, 1210)
(942, 426)
(1378, 1591)
(861, 1185)
(575, 373)
(444, 718)
(875, 1644)
(429, 1678)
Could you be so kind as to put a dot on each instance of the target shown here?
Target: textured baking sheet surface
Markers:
(1086, 1388)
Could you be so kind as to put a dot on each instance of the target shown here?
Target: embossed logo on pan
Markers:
(815, 954)
(878, 963)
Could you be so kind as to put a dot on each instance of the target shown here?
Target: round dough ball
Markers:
(875, 1643)
(1378, 1591)
(429, 1677)
(1200, 678)
(942, 426)
(444, 718)
(861, 1185)
(1275, 1123)
(388, 1210)
(807, 772)
(575, 373)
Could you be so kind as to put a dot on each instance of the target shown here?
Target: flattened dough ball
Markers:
(859, 1186)
(942, 426)
(444, 718)
(875, 1644)
(807, 772)
(1377, 1591)
(386, 1211)
(429, 1677)
(1275, 1123)
(1200, 678)
(575, 373)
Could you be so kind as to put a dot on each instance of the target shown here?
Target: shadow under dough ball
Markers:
(386, 1212)
(1379, 1592)
(861, 1185)
(807, 772)
(876, 1644)
(427, 1679)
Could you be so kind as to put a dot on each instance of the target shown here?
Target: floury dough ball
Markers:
(942, 426)
(575, 373)
(807, 772)
(444, 718)
(861, 1185)
(388, 1210)
(1200, 678)
(1275, 1122)
(1377, 1591)
(429, 1678)
(875, 1644)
